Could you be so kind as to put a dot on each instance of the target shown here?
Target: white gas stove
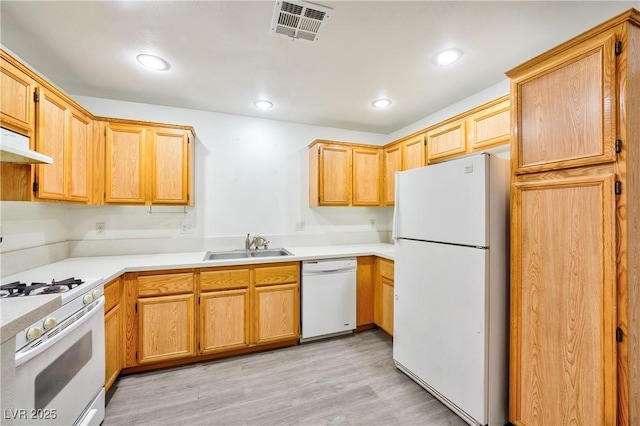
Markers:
(60, 359)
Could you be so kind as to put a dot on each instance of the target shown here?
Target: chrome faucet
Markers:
(260, 241)
(257, 241)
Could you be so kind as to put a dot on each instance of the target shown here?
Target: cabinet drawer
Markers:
(269, 275)
(154, 285)
(224, 279)
(386, 269)
(111, 294)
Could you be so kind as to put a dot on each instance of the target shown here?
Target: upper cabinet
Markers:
(342, 174)
(446, 140)
(576, 126)
(65, 134)
(402, 155)
(17, 107)
(489, 127)
(413, 152)
(147, 164)
(95, 160)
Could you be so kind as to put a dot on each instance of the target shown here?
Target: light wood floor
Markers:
(349, 380)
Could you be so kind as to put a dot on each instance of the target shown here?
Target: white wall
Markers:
(251, 177)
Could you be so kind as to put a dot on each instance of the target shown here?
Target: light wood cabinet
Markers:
(170, 152)
(365, 290)
(392, 156)
(446, 140)
(147, 163)
(125, 164)
(575, 251)
(65, 134)
(489, 127)
(384, 295)
(413, 152)
(225, 310)
(17, 106)
(343, 174)
(367, 164)
(160, 317)
(277, 303)
(112, 332)
(329, 175)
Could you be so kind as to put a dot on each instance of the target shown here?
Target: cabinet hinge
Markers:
(136, 354)
(318, 199)
(618, 47)
(618, 334)
(36, 97)
(188, 139)
(136, 307)
(618, 187)
(36, 186)
(105, 131)
(318, 149)
(618, 146)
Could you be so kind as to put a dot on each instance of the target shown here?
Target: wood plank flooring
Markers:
(348, 380)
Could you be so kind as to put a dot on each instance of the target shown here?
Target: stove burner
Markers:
(12, 289)
(21, 289)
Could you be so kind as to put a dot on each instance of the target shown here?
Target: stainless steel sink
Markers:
(270, 252)
(243, 254)
(225, 255)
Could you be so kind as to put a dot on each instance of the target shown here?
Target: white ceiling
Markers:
(223, 56)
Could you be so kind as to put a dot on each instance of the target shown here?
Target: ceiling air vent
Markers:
(299, 19)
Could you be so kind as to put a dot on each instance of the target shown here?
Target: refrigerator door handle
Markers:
(396, 207)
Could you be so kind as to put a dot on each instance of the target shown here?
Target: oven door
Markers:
(59, 378)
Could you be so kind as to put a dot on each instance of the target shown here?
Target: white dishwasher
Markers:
(328, 297)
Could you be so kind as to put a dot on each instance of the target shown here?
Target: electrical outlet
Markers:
(99, 228)
(373, 223)
(300, 226)
(185, 227)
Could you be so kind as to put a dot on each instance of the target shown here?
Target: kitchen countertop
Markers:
(16, 314)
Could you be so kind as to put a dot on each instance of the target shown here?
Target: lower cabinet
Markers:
(276, 313)
(166, 327)
(365, 291)
(224, 310)
(160, 317)
(384, 295)
(112, 332)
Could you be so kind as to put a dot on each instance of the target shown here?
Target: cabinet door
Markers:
(170, 175)
(277, 313)
(335, 175)
(386, 320)
(489, 127)
(563, 300)
(124, 152)
(366, 176)
(365, 287)
(566, 113)
(80, 136)
(392, 164)
(51, 140)
(224, 320)
(446, 140)
(413, 153)
(17, 108)
(166, 328)
(113, 346)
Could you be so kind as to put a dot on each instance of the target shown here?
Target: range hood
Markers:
(14, 148)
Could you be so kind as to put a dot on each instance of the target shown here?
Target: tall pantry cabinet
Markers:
(575, 232)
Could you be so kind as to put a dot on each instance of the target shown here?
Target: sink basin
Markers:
(270, 252)
(243, 254)
(225, 255)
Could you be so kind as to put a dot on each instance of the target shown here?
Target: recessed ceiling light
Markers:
(381, 103)
(153, 62)
(263, 104)
(448, 56)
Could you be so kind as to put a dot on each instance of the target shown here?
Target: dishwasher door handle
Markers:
(328, 271)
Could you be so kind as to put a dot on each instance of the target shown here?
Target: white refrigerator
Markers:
(451, 289)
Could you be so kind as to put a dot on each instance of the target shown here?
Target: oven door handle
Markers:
(26, 355)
